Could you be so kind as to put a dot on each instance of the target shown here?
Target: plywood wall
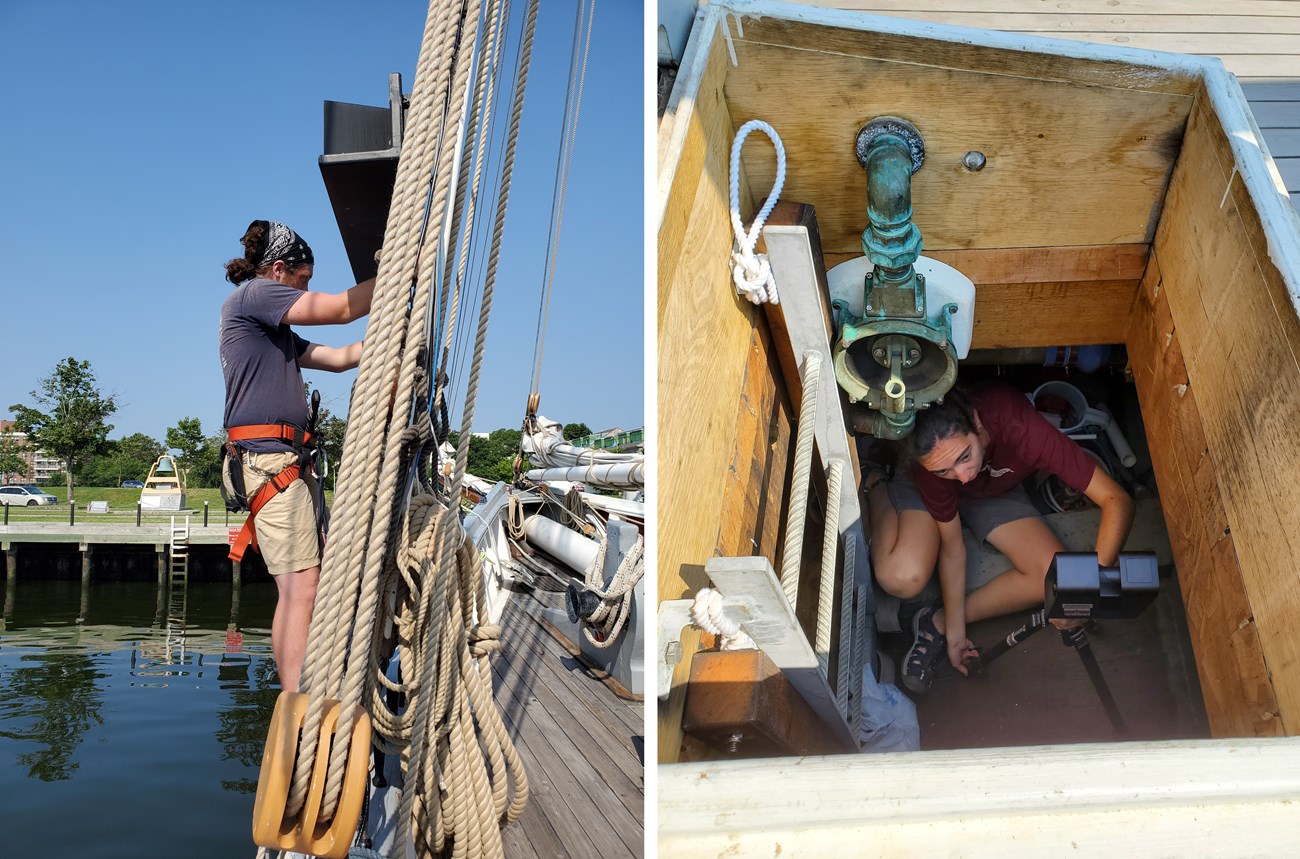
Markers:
(724, 417)
(1065, 139)
(1220, 315)
(1239, 698)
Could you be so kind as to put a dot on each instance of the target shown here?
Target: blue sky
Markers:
(142, 137)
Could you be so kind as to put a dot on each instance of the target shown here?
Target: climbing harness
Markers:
(233, 486)
(751, 272)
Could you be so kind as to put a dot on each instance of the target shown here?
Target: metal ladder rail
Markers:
(180, 551)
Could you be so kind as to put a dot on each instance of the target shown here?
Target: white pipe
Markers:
(618, 475)
(616, 506)
(564, 544)
(1123, 450)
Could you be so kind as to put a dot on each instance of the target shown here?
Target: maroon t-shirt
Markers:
(1021, 442)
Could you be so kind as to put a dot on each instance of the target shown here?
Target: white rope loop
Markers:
(751, 272)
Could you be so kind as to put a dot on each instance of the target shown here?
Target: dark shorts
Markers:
(981, 515)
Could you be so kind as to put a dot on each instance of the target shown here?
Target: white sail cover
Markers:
(556, 459)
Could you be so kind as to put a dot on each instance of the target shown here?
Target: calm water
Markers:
(132, 720)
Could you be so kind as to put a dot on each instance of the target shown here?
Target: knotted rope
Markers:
(751, 272)
(706, 613)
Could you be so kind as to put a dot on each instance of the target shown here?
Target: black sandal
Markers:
(928, 645)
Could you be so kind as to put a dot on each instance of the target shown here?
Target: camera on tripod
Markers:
(1079, 588)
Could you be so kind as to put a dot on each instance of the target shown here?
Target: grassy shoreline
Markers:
(122, 505)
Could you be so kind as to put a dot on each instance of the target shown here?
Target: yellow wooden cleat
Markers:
(305, 832)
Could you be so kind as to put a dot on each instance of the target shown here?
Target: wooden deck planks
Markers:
(1254, 40)
(573, 734)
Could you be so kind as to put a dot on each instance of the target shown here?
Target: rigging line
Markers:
(563, 168)
(463, 203)
(497, 139)
(462, 219)
(472, 217)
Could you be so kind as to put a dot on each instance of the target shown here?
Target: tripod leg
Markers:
(1037, 621)
(1078, 638)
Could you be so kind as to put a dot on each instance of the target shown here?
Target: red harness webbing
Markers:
(247, 535)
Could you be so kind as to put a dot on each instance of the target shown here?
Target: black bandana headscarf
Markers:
(282, 243)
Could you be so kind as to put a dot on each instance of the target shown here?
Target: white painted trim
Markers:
(681, 104)
(1263, 182)
(1186, 798)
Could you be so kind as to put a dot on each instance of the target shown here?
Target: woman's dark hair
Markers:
(954, 416)
(254, 242)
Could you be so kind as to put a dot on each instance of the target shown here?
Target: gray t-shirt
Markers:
(259, 358)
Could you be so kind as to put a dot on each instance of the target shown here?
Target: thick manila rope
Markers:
(791, 557)
(401, 261)
(337, 608)
(416, 750)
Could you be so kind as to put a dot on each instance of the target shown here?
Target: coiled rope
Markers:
(751, 272)
(602, 626)
(458, 766)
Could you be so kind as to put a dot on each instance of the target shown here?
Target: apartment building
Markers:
(40, 465)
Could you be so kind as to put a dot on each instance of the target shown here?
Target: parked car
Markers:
(25, 496)
(133, 484)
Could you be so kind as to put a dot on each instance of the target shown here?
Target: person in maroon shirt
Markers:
(970, 454)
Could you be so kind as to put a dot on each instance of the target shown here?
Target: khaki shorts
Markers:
(287, 536)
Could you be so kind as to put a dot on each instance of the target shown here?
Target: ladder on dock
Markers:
(180, 552)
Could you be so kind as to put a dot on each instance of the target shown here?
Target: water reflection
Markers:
(121, 698)
(51, 700)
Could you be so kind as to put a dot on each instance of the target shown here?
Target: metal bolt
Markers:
(868, 307)
(733, 742)
(974, 161)
(673, 652)
(879, 354)
(914, 354)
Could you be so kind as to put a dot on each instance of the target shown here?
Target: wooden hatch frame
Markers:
(1128, 198)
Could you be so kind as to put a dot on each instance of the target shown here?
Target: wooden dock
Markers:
(582, 741)
(90, 537)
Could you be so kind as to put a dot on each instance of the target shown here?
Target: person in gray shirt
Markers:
(266, 415)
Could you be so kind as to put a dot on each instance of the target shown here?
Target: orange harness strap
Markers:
(281, 432)
(247, 535)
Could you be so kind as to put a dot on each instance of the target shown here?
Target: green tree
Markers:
(70, 422)
(123, 458)
(332, 431)
(186, 436)
(579, 430)
(200, 454)
(11, 458)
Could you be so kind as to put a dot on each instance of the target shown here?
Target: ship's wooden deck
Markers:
(582, 741)
(1257, 40)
